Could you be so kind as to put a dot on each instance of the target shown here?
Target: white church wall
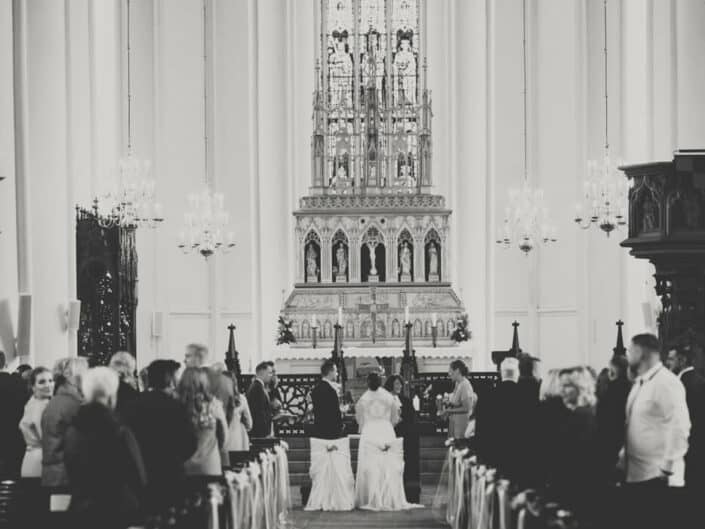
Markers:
(567, 297)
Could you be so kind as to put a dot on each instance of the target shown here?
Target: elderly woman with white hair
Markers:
(58, 414)
(103, 461)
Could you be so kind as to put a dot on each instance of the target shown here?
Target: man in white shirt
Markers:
(656, 441)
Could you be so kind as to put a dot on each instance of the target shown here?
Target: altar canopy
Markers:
(372, 239)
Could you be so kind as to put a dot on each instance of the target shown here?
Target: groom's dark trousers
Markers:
(327, 419)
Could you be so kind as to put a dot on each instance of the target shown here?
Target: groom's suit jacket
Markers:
(327, 419)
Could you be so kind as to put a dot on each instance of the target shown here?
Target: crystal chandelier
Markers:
(605, 191)
(132, 202)
(526, 219)
(205, 224)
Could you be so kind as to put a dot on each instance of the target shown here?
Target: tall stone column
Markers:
(45, 236)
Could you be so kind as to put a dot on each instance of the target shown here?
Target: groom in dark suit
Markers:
(258, 400)
(327, 419)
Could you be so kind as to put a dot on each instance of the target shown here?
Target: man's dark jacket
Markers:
(327, 419)
(260, 409)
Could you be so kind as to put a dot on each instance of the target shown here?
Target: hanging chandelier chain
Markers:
(129, 82)
(526, 165)
(607, 143)
(205, 92)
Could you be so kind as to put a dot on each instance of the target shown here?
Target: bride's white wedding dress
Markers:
(380, 467)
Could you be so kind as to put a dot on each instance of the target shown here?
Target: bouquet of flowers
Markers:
(284, 333)
(461, 333)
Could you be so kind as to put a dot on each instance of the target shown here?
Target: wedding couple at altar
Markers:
(379, 484)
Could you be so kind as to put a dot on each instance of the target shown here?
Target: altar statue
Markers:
(342, 261)
(311, 266)
(405, 71)
(373, 258)
(432, 260)
(341, 68)
(405, 259)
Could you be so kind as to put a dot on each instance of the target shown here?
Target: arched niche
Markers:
(427, 328)
(396, 328)
(328, 329)
(305, 330)
(373, 257)
(405, 257)
(450, 327)
(418, 329)
(340, 257)
(312, 257)
(349, 329)
(432, 256)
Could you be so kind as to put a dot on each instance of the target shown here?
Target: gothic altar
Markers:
(373, 240)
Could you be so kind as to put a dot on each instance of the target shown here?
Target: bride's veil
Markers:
(440, 507)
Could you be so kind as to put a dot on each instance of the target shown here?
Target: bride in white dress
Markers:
(380, 467)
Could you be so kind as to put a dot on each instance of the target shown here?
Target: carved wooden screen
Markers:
(106, 269)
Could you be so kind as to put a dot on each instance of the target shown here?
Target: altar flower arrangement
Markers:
(284, 333)
(461, 333)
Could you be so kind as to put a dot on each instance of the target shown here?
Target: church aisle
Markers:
(412, 519)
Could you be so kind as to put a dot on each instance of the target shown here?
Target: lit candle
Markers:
(314, 323)
(340, 315)
(406, 314)
(434, 319)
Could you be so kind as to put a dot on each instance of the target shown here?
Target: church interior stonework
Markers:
(407, 201)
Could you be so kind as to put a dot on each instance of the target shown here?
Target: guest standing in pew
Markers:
(223, 391)
(241, 424)
(656, 440)
(573, 467)
(57, 417)
(258, 400)
(13, 397)
(103, 461)
(42, 383)
(680, 361)
(207, 418)
(164, 433)
(610, 417)
(327, 418)
(123, 363)
(407, 428)
(196, 355)
(461, 404)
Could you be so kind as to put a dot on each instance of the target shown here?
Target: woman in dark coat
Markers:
(103, 461)
(407, 428)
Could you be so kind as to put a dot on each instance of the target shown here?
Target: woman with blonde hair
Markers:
(207, 417)
(59, 413)
(550, 385)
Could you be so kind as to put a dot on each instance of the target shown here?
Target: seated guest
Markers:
(58, 415)
(407, 428)
(13, 396)
(103, 460)
(164, 433)
(123, 363)
(42, 384)
(241, 423)
(461, 403)
(327, 418)
(207, 416)
(572, 464)
(258, 400)
(196, 355)
(610, 417)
